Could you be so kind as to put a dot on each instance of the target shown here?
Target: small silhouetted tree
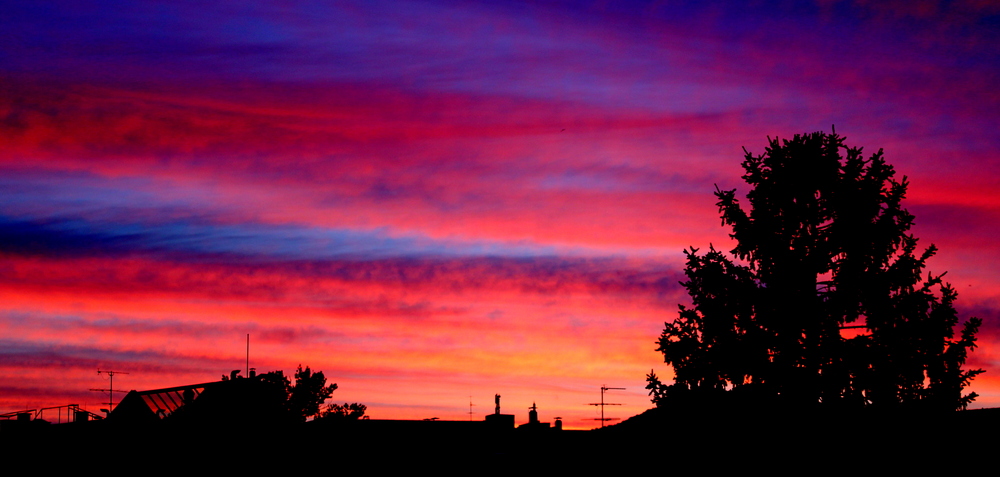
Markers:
(348, 412)
(303, 400)
(824, 247)
(309, 393)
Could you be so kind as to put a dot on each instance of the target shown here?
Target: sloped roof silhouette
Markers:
(160, 403)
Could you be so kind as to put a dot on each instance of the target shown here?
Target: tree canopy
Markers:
(348, 412)
(303, 400)
(824, 301)
(309, 393)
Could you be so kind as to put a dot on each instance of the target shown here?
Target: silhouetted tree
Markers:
(825, 247)
(277, 389)
(303, 400)
(347, 412)
(309, 393)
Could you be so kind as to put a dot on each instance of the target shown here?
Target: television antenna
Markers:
(470, 407)
(111, 388)
(603, 419)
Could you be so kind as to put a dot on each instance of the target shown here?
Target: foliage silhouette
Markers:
(309, 393)
(303, 400)
(825, 248)
(348, 412)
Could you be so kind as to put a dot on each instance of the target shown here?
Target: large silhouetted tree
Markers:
(825, 302)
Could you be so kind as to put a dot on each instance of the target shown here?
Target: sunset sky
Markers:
(442, 199)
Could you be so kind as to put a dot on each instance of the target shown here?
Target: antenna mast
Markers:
(604, 389)
(111, 389)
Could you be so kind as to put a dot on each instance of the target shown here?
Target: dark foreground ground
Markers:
(656, 441)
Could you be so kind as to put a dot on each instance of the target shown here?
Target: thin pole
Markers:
(605, 388)
(248, 356)
(111, 392)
